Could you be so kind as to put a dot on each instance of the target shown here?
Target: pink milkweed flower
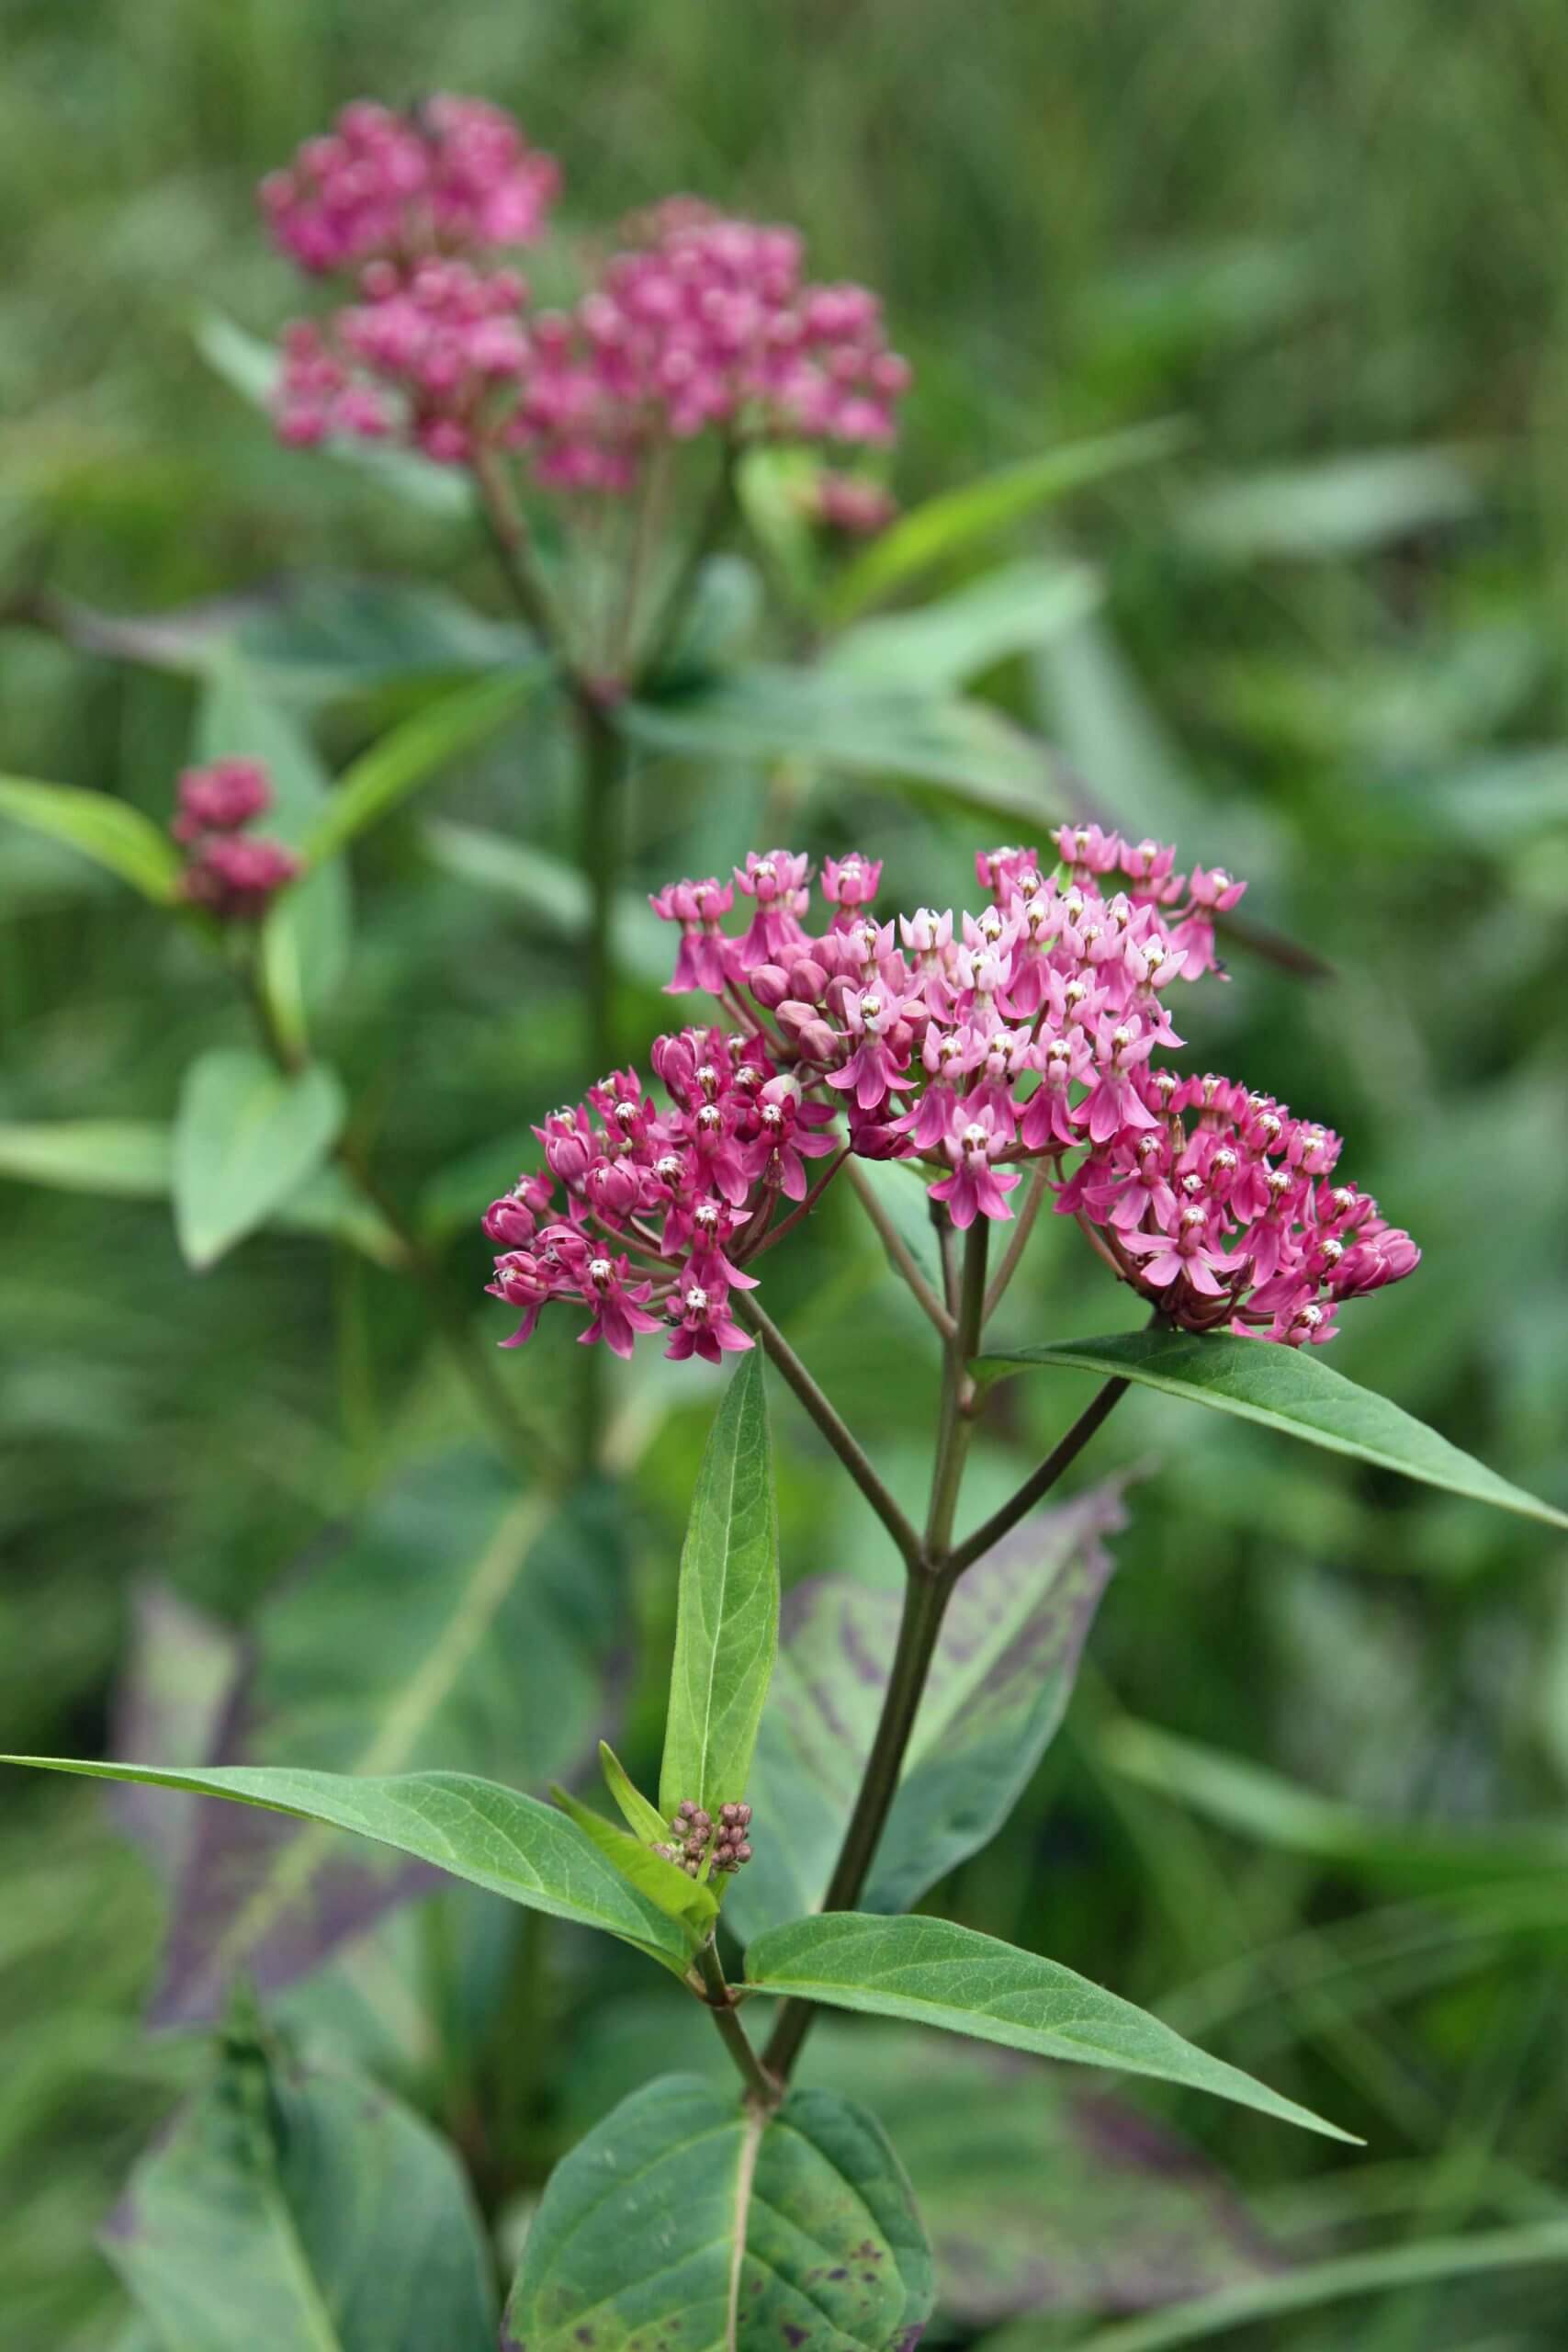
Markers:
(777, 882)
(513, 1220)
(1386, 1256)
(617, 1303)
(713, 1226)
(222, 799)
(1114, 1102)
(874, 1068)
(785, 1140)
(698, 908)
(1087, 849)
(237, 877)
(1186, 1254)
(975, 1188)
(851, 882)
(1046, 1121)
(704, 1326)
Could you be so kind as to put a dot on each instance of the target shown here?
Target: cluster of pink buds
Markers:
(724, 1845)
(849, 505)
(452, 175)
(233, 875)
(702, 321)
(972, 1044)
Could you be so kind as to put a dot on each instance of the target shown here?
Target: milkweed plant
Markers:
(1024, 1049)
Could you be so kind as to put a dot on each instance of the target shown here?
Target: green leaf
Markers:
(965, 748)
(246, 1138)
(494, 1837)
(943, 644)
(458, 1626)
(410, 754)
(307, 2211)
(644, 1818)
(757, 2232)
(953, 521)
(727, 1625)
(683, 1898)
(1290, 1389)
(133, 1160)
(111, 833)
(1342, 506)
(998, 1687)
(1343, 2277)
(932, 1972)
(553, 893)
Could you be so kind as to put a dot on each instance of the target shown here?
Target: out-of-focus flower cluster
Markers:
(972, 1043)
(702, 320)
(235, 875)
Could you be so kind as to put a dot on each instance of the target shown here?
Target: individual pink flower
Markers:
(705, 1327)
(879, 1056)
(221, 798)
(699, 907)
(975, 1188)
(851, 882)
(617, 1303)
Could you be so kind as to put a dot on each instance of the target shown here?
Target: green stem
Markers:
(704, 539)
(599, 856)
(764, 2087)
(1024, 1227)
(510, 539)
(832, 1426)
(899, 1251)
(1035, 1488)
(960, 1397)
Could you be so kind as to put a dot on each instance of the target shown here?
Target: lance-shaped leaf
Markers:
(412, 754)
(943, 644)
(643, 1818)
(752, 2233)
(494, 1837)
(932, 1972)
(305, 2212)
(683, 1898)
(133, 1160)
(247, 1136)
(1289, 1389)
(111, 833)
(727, 1625)
(457, 1624)
(999, 1684)
(1039, 2195)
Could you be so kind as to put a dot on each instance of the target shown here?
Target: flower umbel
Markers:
(233, 875)
(968, 1042)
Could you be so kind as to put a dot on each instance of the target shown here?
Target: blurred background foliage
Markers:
(1327, 651)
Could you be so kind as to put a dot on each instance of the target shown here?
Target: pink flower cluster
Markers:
(703, 321)
(969, 1043)
(233, 875)
(452, 175)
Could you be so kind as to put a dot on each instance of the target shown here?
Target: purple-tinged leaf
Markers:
(1002, 1675)
(175, 1700)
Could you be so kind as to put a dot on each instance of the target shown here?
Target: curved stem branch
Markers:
(1035, 1488)
(902, 1256)
(764, 2087)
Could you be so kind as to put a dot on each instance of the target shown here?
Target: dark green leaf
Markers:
(998, 1687)
(1341, 506)
(494, 1837)
(932, 1972)
(305, 2212)
(111, 833)
(410, 754)
(1289, 1389)
(727, 1624)
(687, 2220)
(952, 523)
(247, 1138)
(940, 645)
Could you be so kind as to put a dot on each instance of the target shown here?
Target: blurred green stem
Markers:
(764, 2087)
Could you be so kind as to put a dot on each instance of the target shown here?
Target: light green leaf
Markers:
(644, 1818)
(683, 1898)
(133, 1160)
(553, 893)
(965, 749)
(307, 2211)
(943, 644)
(410, 754)
(111, 833)
(952, 523)
(726, 1626)
(932, 1972)
(245, 1139)
(494, 1837)
(757, 2232)
(1289, 1389)
(1342, 506)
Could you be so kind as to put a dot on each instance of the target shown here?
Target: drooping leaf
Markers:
(752, 2234)
(134, 1159)
(247, 1138)
(728, 1616)
(932, 1972)
(943, 644)
(683, 1898)
(1289, 1389)
(305, 936)
(999, 1684)
(642, 1817)
(494, 1837)
(111, 833)
(967, 750)
(307, 2211)
(410, 754)
(952, 523)
(1039, 2195)
(458, 1626)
